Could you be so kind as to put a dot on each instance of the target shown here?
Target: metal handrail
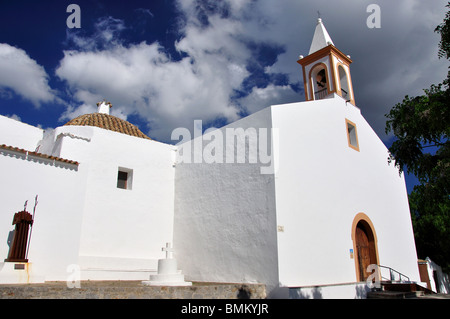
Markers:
(320, 94)
(391, 273)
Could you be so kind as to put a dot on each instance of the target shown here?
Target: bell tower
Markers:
(326, 70)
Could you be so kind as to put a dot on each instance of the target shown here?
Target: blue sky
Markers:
(164, 63)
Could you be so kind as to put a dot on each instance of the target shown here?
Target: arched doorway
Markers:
(364, 245)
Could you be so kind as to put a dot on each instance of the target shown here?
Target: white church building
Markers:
(297, 196)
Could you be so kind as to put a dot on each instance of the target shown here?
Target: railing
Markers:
(393, 274)
(320, 94)
(324, 92)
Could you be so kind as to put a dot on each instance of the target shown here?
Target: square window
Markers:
(352, 135)
(124, 178)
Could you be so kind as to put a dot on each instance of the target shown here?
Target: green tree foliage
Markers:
(421, 126)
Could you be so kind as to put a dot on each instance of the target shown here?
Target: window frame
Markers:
(128, 182)
(349, 123)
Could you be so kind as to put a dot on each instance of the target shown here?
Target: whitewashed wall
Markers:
(231, 223)
(122, 229)
(56, 231)
(322, 184)
(18, 134)
(225, 227)
(82, 217)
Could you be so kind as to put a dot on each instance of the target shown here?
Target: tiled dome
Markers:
(108, 122)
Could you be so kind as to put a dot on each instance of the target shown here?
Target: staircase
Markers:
(397, 290)
(397, 286)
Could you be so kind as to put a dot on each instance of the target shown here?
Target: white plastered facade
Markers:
(229, 222)
(108, 232)
(294, 228)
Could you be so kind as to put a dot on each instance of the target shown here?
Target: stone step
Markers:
(394, 294)
(399, 290)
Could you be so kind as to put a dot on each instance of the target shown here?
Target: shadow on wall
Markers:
(333, 292)
(9, 241)
(244, 293)
(305, 293)
(361, 291)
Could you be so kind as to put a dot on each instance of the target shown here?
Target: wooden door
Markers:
(363, 252)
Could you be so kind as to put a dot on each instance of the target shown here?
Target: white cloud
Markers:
(398, 59)
(145, 12)
(73, 112)
(23, 75)
(214, 42)
(260, 98)
(107, 32)
(14, 117)
(142, 79)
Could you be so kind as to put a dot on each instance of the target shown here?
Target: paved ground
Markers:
(405, 295)
(436, 296)
(131, 290)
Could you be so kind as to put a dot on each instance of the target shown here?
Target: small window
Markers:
(124, 178)
(352, 135)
